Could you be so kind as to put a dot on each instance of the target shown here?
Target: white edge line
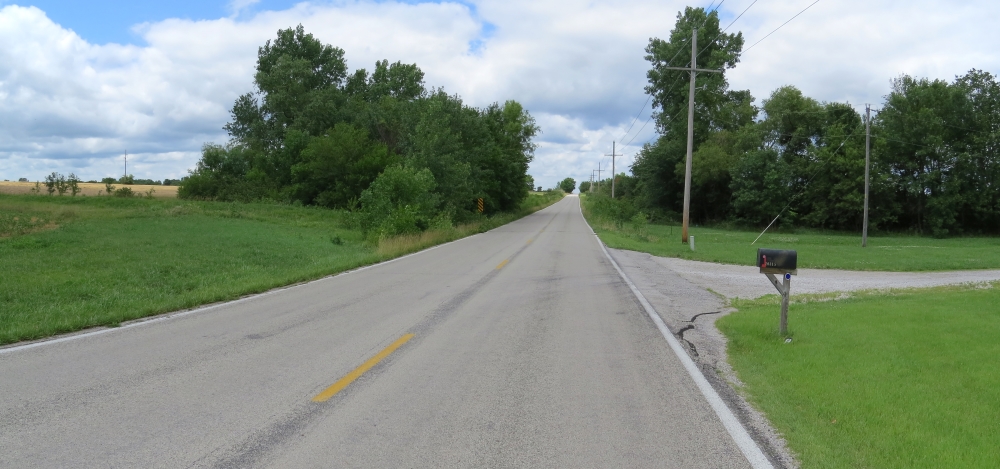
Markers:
(755, 456)
(202, 309)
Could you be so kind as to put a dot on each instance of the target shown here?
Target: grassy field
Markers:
(75, 262)
(90, 189)
(815, 249)
(901, 380)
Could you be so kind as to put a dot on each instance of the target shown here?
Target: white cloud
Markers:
(67, 105)
(237, 6)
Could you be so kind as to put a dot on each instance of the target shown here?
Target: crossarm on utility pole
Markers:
(689, 69)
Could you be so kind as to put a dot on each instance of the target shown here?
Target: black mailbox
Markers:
(777, 261)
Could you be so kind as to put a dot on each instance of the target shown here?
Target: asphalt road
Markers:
(527, 350)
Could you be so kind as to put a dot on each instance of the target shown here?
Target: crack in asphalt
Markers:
(703, 314)
(680, 333)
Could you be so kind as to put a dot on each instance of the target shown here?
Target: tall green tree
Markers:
(567, 185)
(297, 95)
(313, 133)
(923, 129)
(337, 166)
(716, 107)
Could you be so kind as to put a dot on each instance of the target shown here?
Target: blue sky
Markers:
(163, 90)
(104, 21)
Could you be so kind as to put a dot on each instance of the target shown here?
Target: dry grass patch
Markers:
(89, 189)
(16, 223)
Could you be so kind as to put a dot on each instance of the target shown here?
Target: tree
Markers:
(54, 182)
(584, 187)
(73, 183)
(660, 184)
(399, 201)
(567, 185)
(338, 165)
(313, 133)
(924, 125)
(298, 94)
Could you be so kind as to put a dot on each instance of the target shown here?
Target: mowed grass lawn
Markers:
(815, 249)
(69, 263)
(901, 380)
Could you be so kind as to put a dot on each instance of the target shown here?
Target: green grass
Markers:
(74, 263)
(907, 380)
(820, 250)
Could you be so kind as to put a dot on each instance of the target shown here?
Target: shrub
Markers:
(124, 192)
(52, 183)
(398, 201)
(73, 183)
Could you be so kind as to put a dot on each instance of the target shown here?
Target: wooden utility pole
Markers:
(599, 171)
(868, 144)
(126, 165)
(612, 155)
(693, 69)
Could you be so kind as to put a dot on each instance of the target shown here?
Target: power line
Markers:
(679, 50)
(644, 126)
(717, 36)
(779, 27)
(636, 118)
(803, 188)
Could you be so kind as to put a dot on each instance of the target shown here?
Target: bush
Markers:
(73, 183)
(617, 211)
(399, 201)
(54, 182)
(224, 174)
(124, 192)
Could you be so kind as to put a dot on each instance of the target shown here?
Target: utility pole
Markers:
(868, 145)
(612, 155)
(690, 143)
(599, 176)
(126, 164)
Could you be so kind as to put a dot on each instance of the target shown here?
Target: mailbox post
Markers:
(776, 261)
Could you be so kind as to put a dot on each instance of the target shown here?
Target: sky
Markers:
(82, 83)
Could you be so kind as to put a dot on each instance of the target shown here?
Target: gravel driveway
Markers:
(737, 281)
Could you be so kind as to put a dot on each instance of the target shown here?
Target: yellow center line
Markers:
(350, 377)
(505, 261)
(529, 241)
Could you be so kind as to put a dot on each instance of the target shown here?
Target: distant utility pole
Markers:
(612, 155)
(599, 171)
(690, 143)
(126, 164)
(868, 145)
(591, 186)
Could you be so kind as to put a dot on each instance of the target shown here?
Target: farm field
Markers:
(820, 250)
(76, 262)
(899, 380)
(90, 189)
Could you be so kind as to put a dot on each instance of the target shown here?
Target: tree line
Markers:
(401, 156)
(934, 162)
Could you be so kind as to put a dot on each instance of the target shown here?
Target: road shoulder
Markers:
(690, 311)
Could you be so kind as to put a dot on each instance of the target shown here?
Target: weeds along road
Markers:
(521, 347)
